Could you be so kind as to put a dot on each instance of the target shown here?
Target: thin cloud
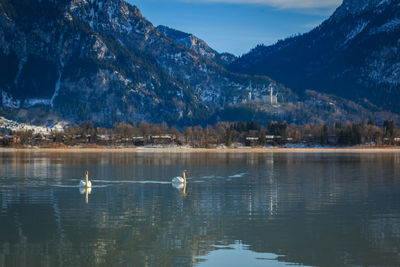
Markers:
(282, 4)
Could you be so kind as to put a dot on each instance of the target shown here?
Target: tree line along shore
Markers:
(222, 134)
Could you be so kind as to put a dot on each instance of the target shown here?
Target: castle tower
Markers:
(273, 98)
(272, 95)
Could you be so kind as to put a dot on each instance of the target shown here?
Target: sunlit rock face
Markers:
(197, 45)
(102, 61)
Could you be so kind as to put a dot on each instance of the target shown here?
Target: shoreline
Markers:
(205, 150)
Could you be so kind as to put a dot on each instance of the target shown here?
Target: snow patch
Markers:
(387, 27)
(91, 15)
(383, 2)
(16, 126)
(20, 66)
(9, 101)
(57, 88)
(359, 28)
(36, 101)
(380, 71)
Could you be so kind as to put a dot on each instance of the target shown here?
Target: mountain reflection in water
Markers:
(272, 208)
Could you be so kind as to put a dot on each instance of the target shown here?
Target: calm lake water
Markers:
(240, 209)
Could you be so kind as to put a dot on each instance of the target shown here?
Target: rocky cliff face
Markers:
(197, 45)
(102, 61)
(354, 54)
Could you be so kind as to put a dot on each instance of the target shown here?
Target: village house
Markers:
(162, 139)
(104, 139)
(273, 139)
(251, 141)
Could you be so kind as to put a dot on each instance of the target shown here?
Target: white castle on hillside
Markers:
(271, 98)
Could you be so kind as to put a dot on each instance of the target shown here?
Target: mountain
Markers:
(78, 60)
(199, 46)
(102, 61)
(354, 54)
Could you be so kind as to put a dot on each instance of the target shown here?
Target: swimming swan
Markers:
(87, 183)
(179, 180)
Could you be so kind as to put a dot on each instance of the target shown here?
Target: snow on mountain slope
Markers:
(102, 61)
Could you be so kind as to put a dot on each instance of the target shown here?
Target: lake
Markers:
(238, 209)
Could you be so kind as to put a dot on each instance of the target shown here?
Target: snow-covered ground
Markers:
(16, 126)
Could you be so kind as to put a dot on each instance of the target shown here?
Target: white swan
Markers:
(87, 183)
(180, 183)
(84, 190)
(179, 180)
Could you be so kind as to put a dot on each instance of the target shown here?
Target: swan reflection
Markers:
(87, 192)
(180, 187)
(180, 182)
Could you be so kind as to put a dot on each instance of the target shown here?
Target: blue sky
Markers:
(236, 26)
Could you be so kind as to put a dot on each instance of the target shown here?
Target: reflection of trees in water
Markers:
(317, 210)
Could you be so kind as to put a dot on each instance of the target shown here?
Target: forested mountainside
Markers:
(102, 61)
(354, 54)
